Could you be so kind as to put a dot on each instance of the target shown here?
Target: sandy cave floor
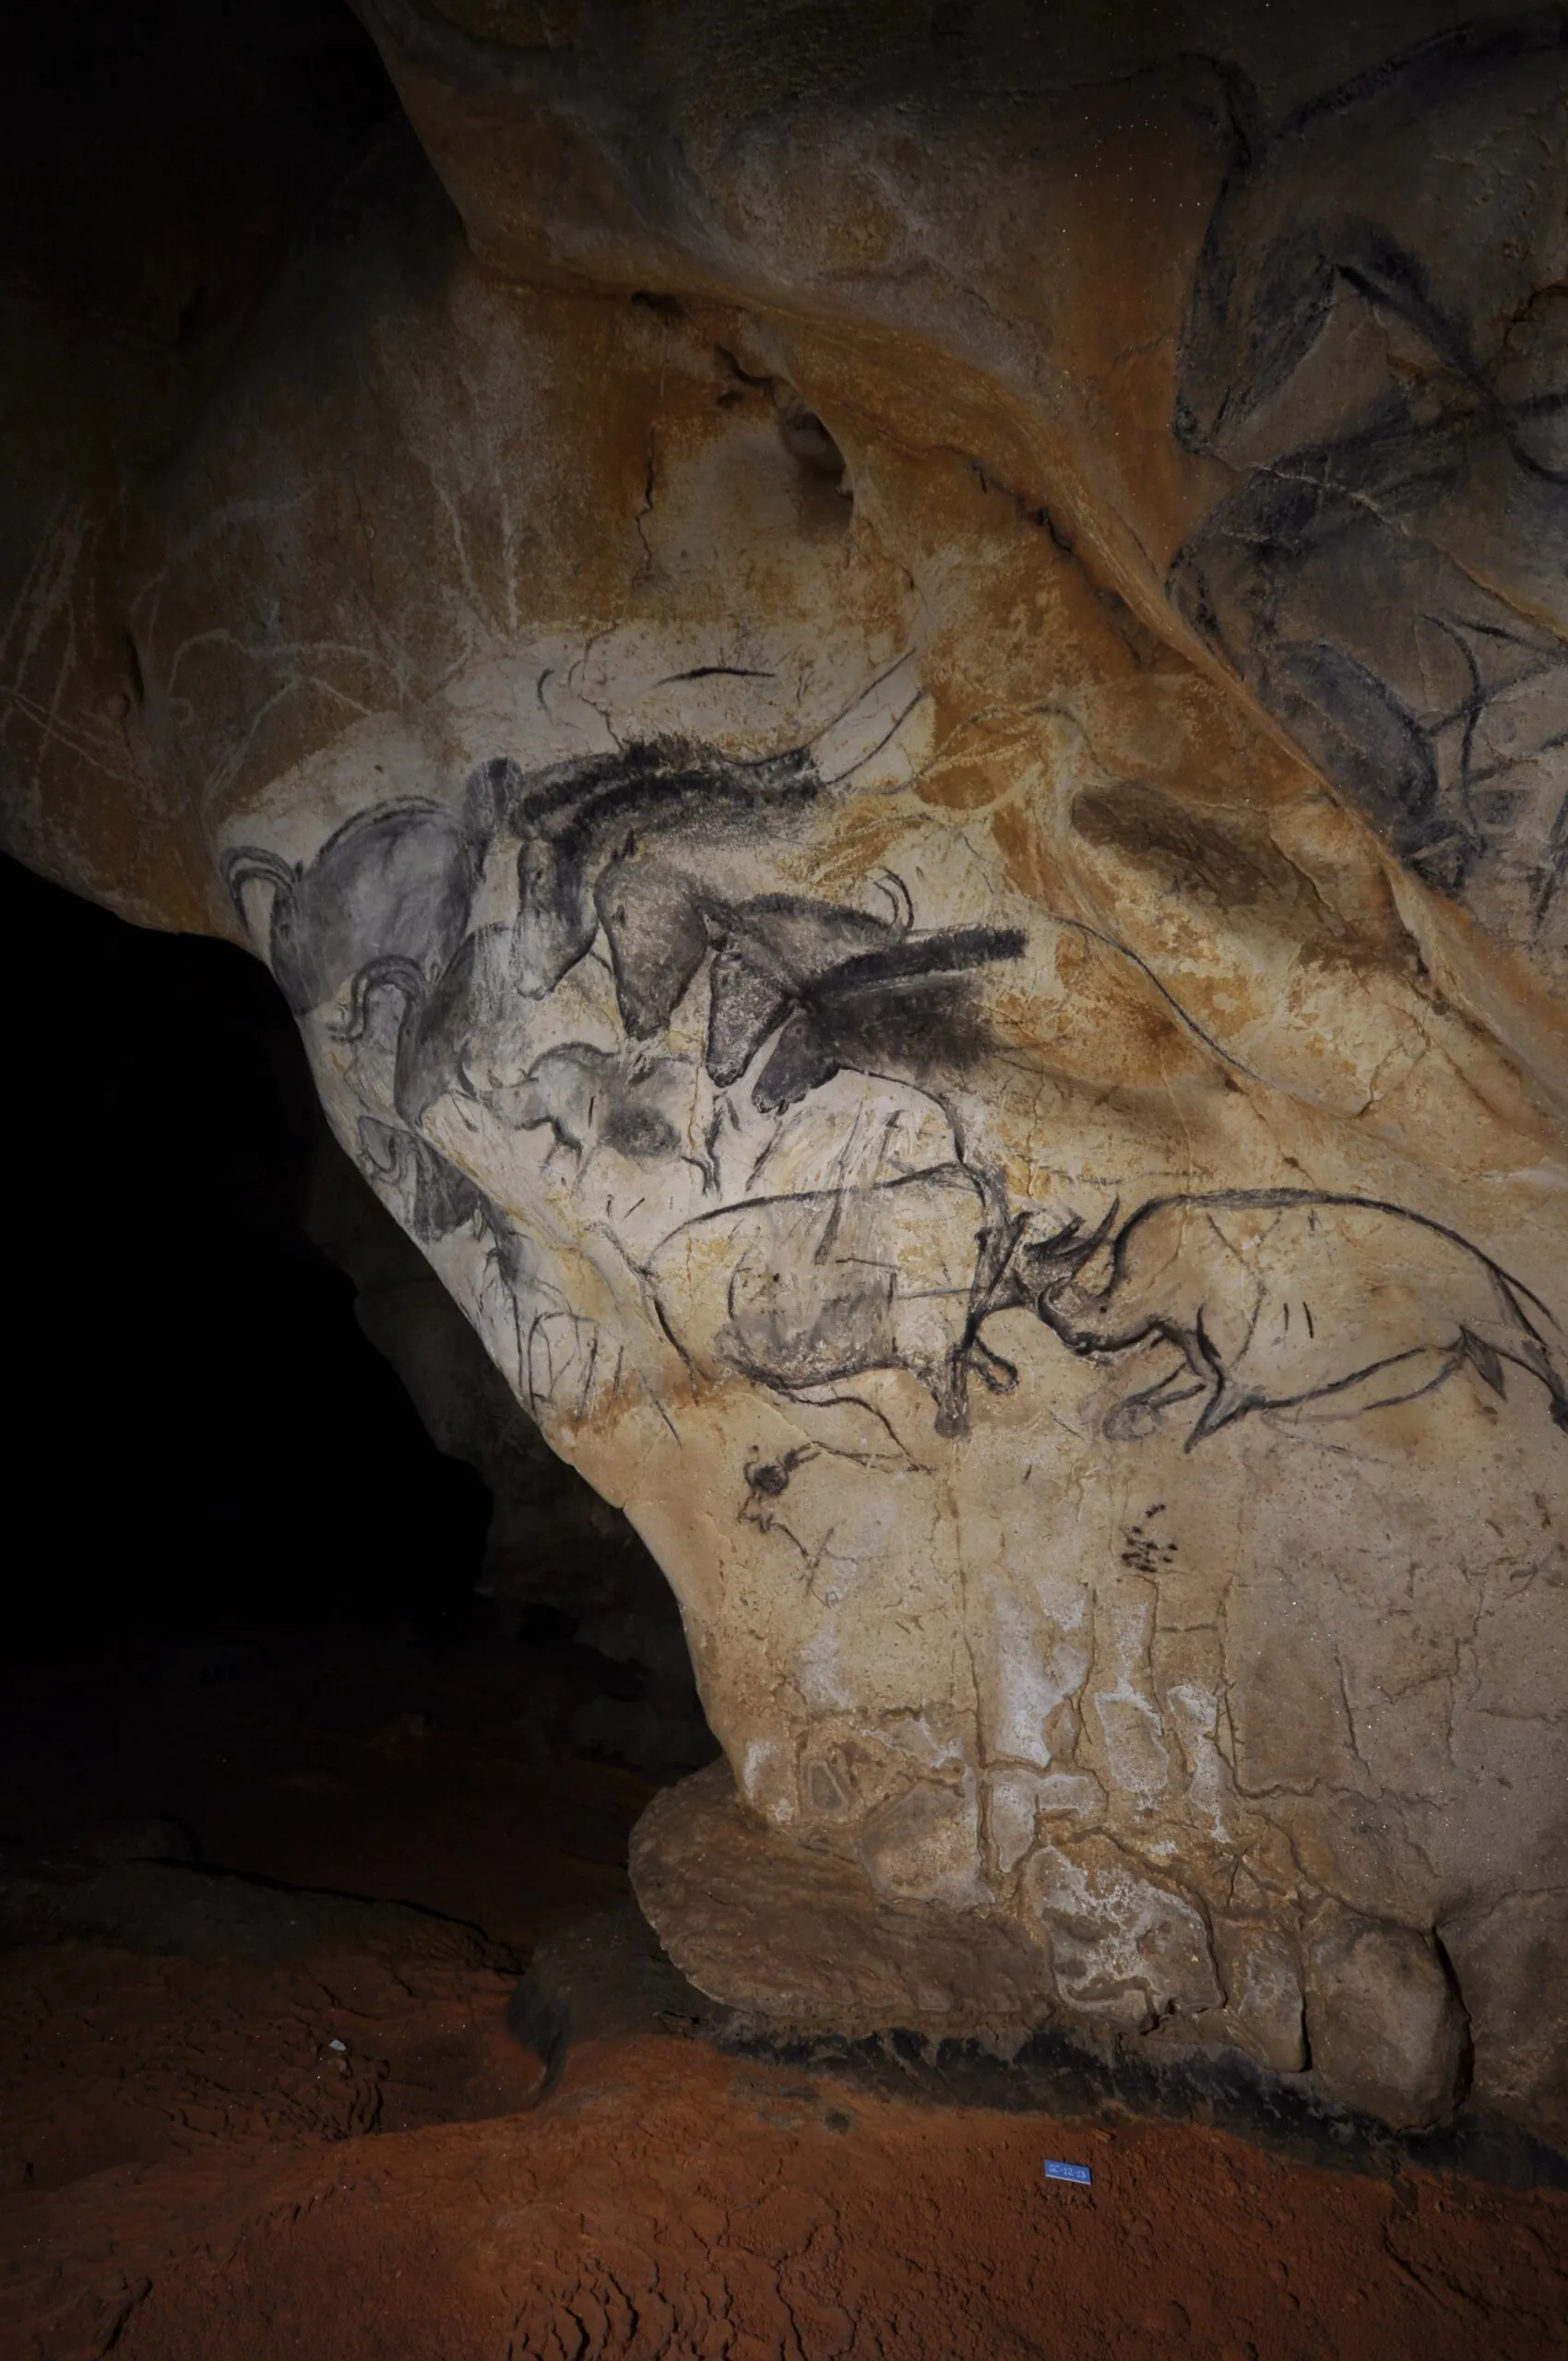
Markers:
(338, 2151)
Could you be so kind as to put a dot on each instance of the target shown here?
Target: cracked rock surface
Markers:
(890, 696)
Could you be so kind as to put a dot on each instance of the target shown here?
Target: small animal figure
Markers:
(593, 1098)
(798, 1292)
(1275, 1298)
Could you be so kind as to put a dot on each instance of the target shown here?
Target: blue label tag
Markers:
(1078, 2173)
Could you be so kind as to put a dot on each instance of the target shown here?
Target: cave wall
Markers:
(886, 692)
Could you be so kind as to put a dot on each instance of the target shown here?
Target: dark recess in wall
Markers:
(158, 164)
(200, 1438)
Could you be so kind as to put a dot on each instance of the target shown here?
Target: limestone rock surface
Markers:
(888, 689)
(808, 1942)
(1387, 2030)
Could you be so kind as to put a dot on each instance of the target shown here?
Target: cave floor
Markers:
(332, 2149)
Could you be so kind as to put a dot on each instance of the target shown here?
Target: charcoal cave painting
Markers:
(804, 1292)
(376, 935)
(943, 919)
(1263, 1296)
(1267, 1295)
(385, 905)
(1377, 349)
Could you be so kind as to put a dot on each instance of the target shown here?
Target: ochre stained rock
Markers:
(889, 695)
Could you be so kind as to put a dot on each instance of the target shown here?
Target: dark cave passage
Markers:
(240, 1559)
(203, 1441)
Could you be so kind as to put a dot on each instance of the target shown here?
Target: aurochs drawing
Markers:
(395, 882)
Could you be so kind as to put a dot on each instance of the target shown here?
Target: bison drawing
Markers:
(1277, 1297)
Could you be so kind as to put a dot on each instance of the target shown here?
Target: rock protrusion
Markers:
(798, 1936)
(1387, 2030)
(1126, 1950)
